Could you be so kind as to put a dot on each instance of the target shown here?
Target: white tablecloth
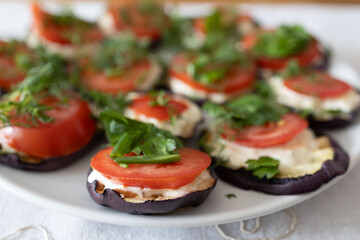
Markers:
(333, 214)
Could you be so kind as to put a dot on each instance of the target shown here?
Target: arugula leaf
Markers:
(287, 40)
(127, 135)
(263, 167)
(247, 110)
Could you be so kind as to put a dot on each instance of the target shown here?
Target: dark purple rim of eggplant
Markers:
(13, 160)
(3, 92)
(287, 186)
(334, 123)
(112, 199)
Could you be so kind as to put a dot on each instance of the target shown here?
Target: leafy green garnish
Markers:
(126, 135)
(263, 167)
(160, 98)
(230, 195)
(115, 55)
(285, 41)
(292, 69)
(247, 110)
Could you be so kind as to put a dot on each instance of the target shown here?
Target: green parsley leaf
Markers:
(230, 195)
(263, 167)
(285, 41)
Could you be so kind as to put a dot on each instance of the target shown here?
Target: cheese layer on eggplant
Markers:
(181, 126)
(179, 87)
(107, 24)
(302, 155)
(138, 194)
(65, 50)
(321, 108)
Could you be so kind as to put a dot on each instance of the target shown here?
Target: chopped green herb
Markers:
(230, 195)
(292, 70)
(126, 135)
(263, 167)
(285, 41)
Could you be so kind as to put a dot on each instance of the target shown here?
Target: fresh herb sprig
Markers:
(263, 167)
(149, 143)
(251, 109)
(285, 41)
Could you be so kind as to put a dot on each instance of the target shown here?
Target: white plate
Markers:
(65, 190)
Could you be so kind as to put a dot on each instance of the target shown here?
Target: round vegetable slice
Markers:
(156, 176)
(71, 130)
(61, 31)
(317, 84)
(144, 105)
(271, 134)
(122, 83)
(238, 79)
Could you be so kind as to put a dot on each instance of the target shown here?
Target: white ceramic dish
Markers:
(65, 190)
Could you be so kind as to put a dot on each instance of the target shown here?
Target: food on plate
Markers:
(175, 114)
(63, 33)
(120, 65)
(330, 102)
(274, 49)
(217, 73)
(146, 171)
(259, 145)
(145, 19)
(44, 126)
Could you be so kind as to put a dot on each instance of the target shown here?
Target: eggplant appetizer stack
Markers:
(63, 34)
(44, 126)
(146, 171)
(259, 145)
(274, 49)
(330, 103)
(145, 19)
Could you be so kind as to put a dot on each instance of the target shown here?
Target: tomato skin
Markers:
(304, 58)
(71, 130)
(156, 176)
(269, 135)
(141, 105)
(118, 84)
(238, 79)
(323, 86)
(54, 32)
(138, 27)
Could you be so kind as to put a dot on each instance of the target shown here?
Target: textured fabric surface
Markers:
(333, 214)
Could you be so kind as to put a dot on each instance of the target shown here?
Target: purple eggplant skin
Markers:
(288, 186)
(3, 92)
(112, 199)
(49, 164)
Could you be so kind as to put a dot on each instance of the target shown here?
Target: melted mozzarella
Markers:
(64, 50)
(198, 184)
(344, 103)
(107, 24)
(302, 155)
(180, 87)
(184, 124)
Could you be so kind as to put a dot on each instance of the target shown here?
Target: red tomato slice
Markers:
(142, 105)
(269, 135)
(57, 33)
(10, 75)
(304, 58)
(156, 176)
(141, 24)
(127, 82)
(71, 130)
(238, 79)
(318, 84)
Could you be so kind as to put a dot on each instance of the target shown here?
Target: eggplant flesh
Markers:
(47, 164)
(287, 186)
(113, 199)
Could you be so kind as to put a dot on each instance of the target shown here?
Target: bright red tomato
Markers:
(124, 83)
(317, 84)
(269, 135)
(71, 130)
(156, 176)
(142, 105)
(237, 79)
(58, 32)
